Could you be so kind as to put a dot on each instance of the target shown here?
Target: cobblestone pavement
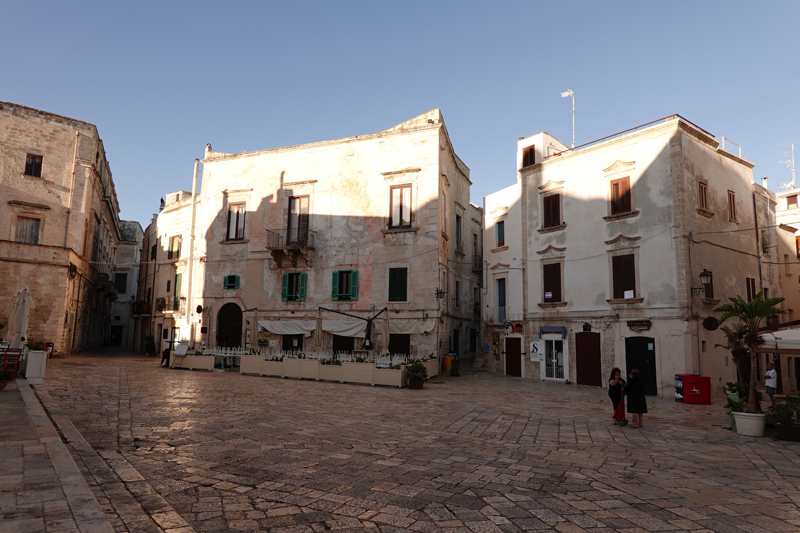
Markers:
(190, 451)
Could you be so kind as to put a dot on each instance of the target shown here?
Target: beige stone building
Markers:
(59, 226)
(594, 257)
(126, 281)
(293, 248)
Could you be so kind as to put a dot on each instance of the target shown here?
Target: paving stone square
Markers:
(180, 451)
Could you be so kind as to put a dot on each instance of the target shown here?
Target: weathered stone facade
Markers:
(59, 226)
(614, 236)
(274, 230)
(126, 281)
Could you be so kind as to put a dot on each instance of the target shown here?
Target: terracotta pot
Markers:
(415, 383)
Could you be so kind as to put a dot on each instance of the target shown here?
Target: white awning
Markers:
(289, 327)
(345, 328)
(788, 339)
(411, 325)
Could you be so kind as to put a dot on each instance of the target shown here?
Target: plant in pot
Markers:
(750, 316)
(416, 374)
(5, 377)
(150, 345)
(787, 418)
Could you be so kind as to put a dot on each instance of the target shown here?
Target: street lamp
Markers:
(705, 281)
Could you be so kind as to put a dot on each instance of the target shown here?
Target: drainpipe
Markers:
(189, 309)
(71, 186)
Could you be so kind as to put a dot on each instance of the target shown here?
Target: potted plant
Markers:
(787, 418)
(5, 377)
(416, 374)
(150, 345)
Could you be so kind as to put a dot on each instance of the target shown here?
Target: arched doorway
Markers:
(229, 326)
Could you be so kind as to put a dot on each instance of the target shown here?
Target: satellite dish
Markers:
(199, 309)
(710, 323)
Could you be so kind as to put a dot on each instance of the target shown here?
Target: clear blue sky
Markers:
(162, 79)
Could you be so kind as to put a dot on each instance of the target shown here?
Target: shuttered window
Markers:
(703, 195)
(552, 210)
(231, 282)
(551, 277)
(398, 284)
(501, 233)
(293, 288)
(344, 286)
(620, 196)
(709, 289)
(731, 206)
(400, 201)
(27, 230)
(236, 215)
(624, 275)
(751, 288)
(33, 165)
(174, 251)
(528, 156)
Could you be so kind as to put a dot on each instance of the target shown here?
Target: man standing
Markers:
(771, 381)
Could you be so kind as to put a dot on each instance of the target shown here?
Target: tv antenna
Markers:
(569, 93)
(789, 163)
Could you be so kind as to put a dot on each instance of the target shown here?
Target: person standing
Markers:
(771, 381)
(637, 403)
(615, 385)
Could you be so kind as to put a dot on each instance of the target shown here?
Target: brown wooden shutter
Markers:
(620, 196)
(623, 275)
(552, 211)
(552, 282)
(528, 156)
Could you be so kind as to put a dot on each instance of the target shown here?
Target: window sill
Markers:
(412, 229)
(625, 301)
(620, 216)
(459, 253)
(550, 305)
(500, 249)
(552, 229)
(704, 212)
(235, 241)
(31, 177)
(710, 301)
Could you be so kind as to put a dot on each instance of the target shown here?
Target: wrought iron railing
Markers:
(291, 238)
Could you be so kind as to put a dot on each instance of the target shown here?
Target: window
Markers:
(791, 202)
(528, 156)
(27, 230)
(751, 288)
(236, 213)
(398, 284)
(231, 282)
(400, 201)
(169, 285)
(293, 288)
(444, 213)
(551, 278)
(501, 300)
(174, 247)
(731, 206)
(621, 196)
(298, 220)
(475, 254)
(709, 289)
(33, 165)
(458, 293)
(177, 300)
(501, 233)
(797, 246)
(153, 252)
(624, 276)
(703, 195)
(552, 210)
(345, 286)
(399, 343)
(459, 244)
(121, 282)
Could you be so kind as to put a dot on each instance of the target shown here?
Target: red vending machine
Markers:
(693, 389)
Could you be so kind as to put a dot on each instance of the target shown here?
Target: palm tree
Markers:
(751, 315)
(741, 357)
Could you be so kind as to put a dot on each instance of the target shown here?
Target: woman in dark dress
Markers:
(637, 403)
(615, 384)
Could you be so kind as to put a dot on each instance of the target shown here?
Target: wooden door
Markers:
(514, 356)
(587, 363)
(292, 343)
(229, 326)
(640, 353)
(116, 336)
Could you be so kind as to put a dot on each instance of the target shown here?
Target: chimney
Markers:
(208, 149)
(764, 182)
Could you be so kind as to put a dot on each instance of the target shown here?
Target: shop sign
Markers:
(639, 325)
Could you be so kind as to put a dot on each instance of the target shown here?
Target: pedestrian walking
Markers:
(615, 386)
(771, 381)
(637, 403)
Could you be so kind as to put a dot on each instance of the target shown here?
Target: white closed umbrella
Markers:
(18, 318)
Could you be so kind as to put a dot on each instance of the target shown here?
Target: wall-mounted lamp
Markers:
(440, 293)
(705, 281)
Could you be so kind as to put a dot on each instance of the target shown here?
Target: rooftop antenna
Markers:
(789, 163)
(569, 93)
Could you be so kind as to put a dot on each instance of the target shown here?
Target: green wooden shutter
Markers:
(335, 286)
(178, 279)
(285, 288)
(302, 292)
(354, 285)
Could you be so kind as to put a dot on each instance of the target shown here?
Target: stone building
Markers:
(126, 281)
(59, 226)
(594, 257)
(295, 248)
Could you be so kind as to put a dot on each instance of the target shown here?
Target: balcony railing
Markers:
(171, 304)
(290, 238)
(497, 315)
(477, 263)
(141, 307)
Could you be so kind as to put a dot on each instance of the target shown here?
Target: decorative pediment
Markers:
(459, 206)
(403, 171)
(552, 250)
(499, 265)
(619, 166)
(550, 185)
(499, 211)
(622, 241)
